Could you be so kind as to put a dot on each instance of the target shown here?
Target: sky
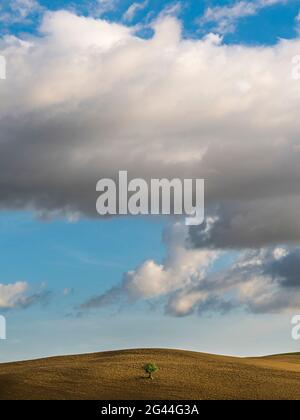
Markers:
(174, 89)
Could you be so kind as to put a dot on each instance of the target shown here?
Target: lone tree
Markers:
(151, 368)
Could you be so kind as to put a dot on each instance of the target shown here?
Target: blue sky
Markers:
(87, 257)
(263, 27)
(66, 263)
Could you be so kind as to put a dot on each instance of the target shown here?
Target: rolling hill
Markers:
(182, 375)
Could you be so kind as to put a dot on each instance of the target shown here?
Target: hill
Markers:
(182, 375)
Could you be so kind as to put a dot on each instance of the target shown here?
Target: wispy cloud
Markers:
(100, 7)
(86, 259)
(12, 294)
(297, 20)
(19, 11)
(131, 12)
(173, 9)
(225, 18)
(17, 295)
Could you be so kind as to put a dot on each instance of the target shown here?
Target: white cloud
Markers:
(67, 291)
(173, 9)
(133, 9)
(12, 295)
(24, 7)
(226, 17)
(182, 268)
(17, 295)
(18, 11)
(103, 6)
(279, 253)
(260, 281)
(91, 34)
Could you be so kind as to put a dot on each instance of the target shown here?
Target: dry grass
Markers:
(182, 375)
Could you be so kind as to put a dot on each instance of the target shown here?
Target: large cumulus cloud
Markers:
(87, 98)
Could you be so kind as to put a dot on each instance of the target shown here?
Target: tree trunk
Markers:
(150, 376)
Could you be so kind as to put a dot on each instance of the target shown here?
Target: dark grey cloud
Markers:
(111, 297)
(249, 224)
(42, 298)
(286, 270)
